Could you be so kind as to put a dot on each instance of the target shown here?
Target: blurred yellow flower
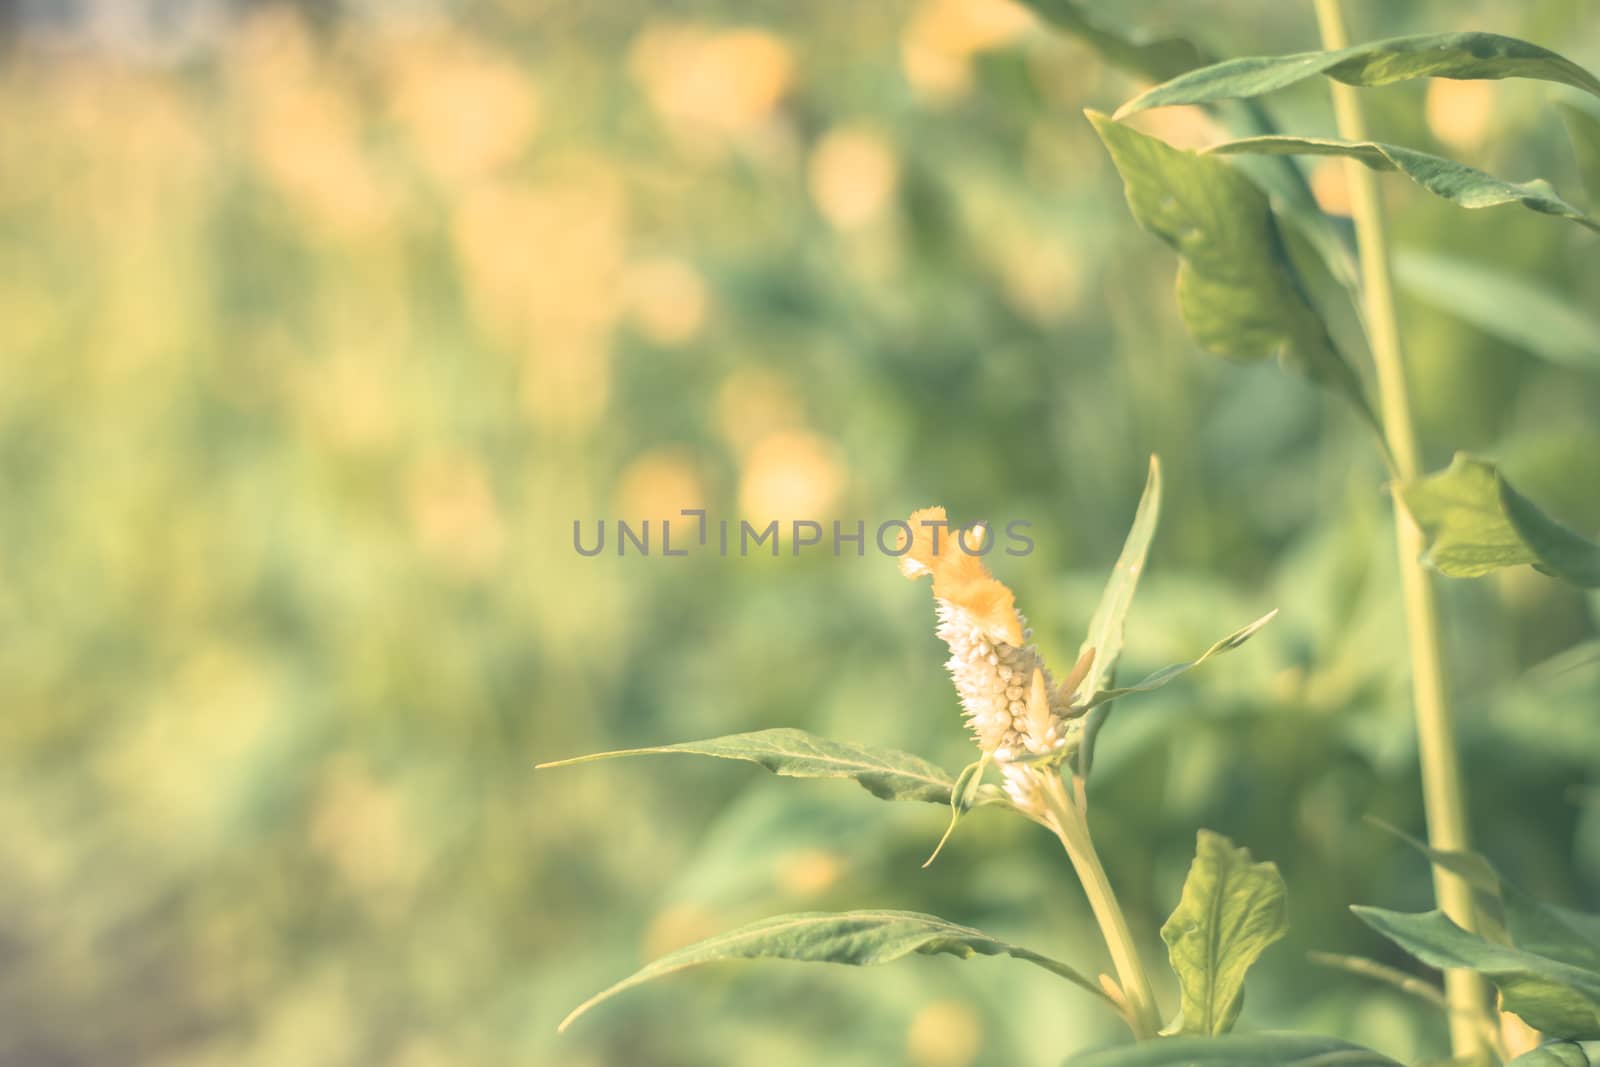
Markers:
(659, 484)
(943, 35)
(454, 514)
(469, 110)
(852, 175)
(944, 1033)
(700, 80)
(667, 299)
(1460, 113)
(790, 475)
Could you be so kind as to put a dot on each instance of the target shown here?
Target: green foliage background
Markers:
(317, 332)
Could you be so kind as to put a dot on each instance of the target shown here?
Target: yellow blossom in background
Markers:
(659, 484)
(852, 174)
(943, 35)
(667, 299)
(1330, 184)
(1461, 113)
(704, 81)
(944, 1033)
(468, 109)
(791, 475)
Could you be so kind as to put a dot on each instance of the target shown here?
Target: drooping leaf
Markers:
(1237, 291)
(1483, 881)
(1508, 915)
(1583, 126)
(1510, 307)
(1431, 55)
(1157, 679)
(1111, 614)
(883, 772)
(1456, 182)
(854, 938)
(1558, 998)
(1230, 911)
(1561, 1054)
(1476, 522)
(1156, 58)
(1237, 1050)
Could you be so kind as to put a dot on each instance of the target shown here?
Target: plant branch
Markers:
(1442, 791)
(1068, 822)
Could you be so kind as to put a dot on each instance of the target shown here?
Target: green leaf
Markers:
(1237, 1050)
(883, 772)
(1475, 522)
(1231, 910)
(1239, 295)
(1166, 674)
(1507, 306)
(855, 938)
(1483, 881)
(963, 798)
(1431, 55)
(1558, 998)
(1111, 614)
(1456, 182)
(1157, 59)
(1584, 129)
(1564, 1054)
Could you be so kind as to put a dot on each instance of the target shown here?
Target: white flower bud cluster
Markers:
(994, 680)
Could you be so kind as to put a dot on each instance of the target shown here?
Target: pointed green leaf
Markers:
(1456, 182)
(1111, 614)
(1511, 307)
(855, 938)
(1558, 998)
(883, 772)
(1157, 58)
(1231, 910)
(1431, 55)
(1563, 1054)
(1166, 674)
(1239, 295)
(1237, 1050)
(1476, 522)
(1583, 126)
(963, 798)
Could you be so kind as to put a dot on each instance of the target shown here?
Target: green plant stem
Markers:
(1442, 792)
(1068, 821)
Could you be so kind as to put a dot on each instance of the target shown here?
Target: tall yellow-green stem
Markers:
(1071, 825)
(1443, 796)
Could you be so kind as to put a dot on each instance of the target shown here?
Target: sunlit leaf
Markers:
(1558, 998)
(1111, 614)
(883, 772)
(855, 938)
(1431, 55)
(1456, 182)
(1237, 1050)
(1157, 679)
(1475, 522)
(1508, 306)
(1230, 911)
(1237, 292)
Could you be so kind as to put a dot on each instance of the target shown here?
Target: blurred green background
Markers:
(319, 326)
